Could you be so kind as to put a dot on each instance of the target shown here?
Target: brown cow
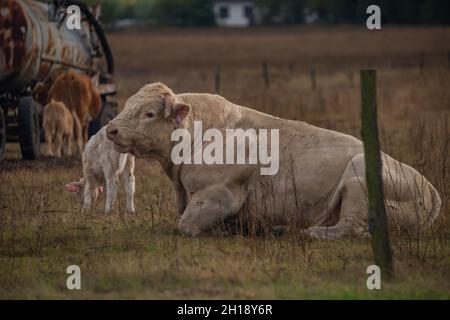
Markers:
(60, 125)
(79, 95)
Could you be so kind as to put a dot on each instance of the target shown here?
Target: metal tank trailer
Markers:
(36, 44)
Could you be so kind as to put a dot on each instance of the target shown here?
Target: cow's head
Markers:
(146, 123)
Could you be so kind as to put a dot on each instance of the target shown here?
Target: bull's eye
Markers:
(150, 115)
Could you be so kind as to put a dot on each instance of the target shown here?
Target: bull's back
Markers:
(316, 157)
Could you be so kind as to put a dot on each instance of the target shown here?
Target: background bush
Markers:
(200, 12)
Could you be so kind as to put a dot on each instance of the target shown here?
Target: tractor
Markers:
(38, 41)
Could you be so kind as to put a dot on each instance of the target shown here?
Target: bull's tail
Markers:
(77, 133)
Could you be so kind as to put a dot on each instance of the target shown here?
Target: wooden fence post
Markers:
(265, 71)
(378, 227)
(217, 80)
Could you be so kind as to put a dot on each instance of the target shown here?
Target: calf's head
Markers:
(146, 123)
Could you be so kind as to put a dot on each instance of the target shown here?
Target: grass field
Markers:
(313, 76)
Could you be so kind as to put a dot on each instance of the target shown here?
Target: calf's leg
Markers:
(48, 142)
(58, 145)
(111, 188)
(89, 189)
(129, 183)
(77, 134)
(68, 144)
(85, 133)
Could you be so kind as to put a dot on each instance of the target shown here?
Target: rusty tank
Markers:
(37, 43)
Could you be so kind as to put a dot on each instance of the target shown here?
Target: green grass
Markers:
(42, 231)
(121, 256)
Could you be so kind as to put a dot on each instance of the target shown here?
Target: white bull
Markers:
(320, 183)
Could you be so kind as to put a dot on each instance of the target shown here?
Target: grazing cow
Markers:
(103, 165)
(60, 127)
(79, 95)
(320, 184)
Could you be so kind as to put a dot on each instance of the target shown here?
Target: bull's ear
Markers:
(175, 110)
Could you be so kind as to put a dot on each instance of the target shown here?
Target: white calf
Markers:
(102, 164)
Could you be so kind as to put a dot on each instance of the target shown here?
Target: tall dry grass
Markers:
(413, 79)
(313, 75)
(41, 229)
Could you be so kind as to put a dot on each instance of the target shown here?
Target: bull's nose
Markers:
(111, 132)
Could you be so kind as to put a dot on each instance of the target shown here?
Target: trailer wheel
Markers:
(2, 134)
(28, 122)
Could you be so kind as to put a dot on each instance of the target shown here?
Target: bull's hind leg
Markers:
(209, 207)
(351, 195)
(352, 214)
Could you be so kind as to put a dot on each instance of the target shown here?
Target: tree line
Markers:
(284, 12)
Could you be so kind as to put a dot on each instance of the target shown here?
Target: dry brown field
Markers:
(312, 75)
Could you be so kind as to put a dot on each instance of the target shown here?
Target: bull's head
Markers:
(146, 123)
